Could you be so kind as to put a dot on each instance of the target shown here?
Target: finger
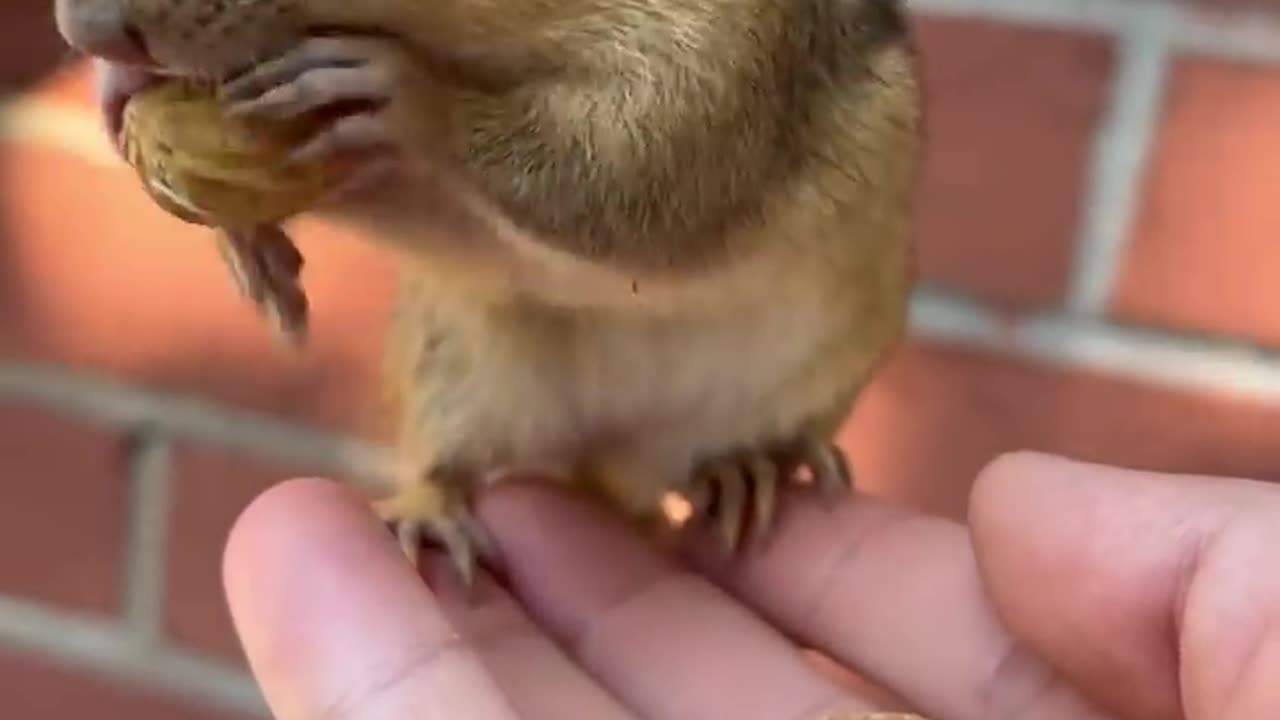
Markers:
(1153, 592)
(897, 597)
(540, 680)
(665, 641)
(334, 621)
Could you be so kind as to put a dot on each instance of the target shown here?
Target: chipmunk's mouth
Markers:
(117, 84)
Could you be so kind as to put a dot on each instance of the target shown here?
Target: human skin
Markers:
(1075, 591)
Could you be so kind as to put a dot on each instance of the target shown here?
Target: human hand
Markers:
(1078, 592)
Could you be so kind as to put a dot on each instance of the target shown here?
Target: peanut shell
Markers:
(205, 167)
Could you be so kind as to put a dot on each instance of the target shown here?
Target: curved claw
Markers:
(731, 484)
(738, 491)
(424, 514)
(765, 478)
(745, 485)
(830, 468)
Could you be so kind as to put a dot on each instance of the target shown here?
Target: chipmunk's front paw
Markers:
(348, 81)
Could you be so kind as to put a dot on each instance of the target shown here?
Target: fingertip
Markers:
(274, 521)
(1029, 504)
(282, 501)
(1036, 517)
(1013, 479)
(326, 606)
(1084, 563)
(291, 542)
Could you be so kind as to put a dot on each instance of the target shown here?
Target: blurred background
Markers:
(1097, 220)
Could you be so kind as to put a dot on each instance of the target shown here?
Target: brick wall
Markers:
(1095, 229)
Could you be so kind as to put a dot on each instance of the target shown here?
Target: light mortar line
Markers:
(186, 417)
(1061, 340)
(941, 315)
(1243, 35)
(1081, 15)
(107, 650)
(1120, 155)
(55, 124)
(149, 476)
(1229, 30)
(1222, 367)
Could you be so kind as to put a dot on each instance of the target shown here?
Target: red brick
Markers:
(938, 414)
(30, 41)
(62, 518)
(83, 249)
(1205, 237)
(1010, 115)
(39, 690)
(212, 488)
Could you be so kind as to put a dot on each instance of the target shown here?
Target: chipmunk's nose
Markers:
(100, 28)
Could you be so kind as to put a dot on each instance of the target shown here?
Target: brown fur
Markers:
(638, 233)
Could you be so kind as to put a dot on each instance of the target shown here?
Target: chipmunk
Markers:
(648, 246)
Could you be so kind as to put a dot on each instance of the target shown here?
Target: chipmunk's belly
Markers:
(651, 397)
(574, 365)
